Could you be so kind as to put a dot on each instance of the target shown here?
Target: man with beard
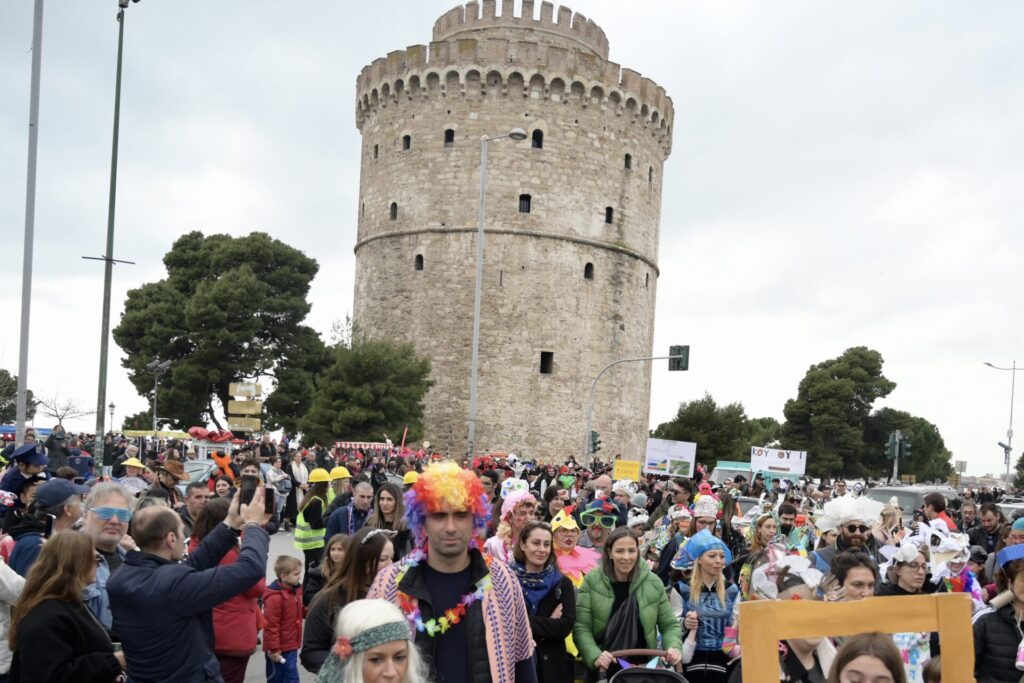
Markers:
(485, 635)
(599, 517)
(988, 532)
(854, 517)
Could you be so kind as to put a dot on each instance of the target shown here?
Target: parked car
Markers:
(909, 498)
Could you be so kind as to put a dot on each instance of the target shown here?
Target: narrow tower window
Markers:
(547, 362)
(375, 151)
(609, 214)
(538, 139)
(650, 175)
(524, 203)
(407, 142)
(449, 137)
(419, 261)
(394, 211)
(629, 161)
(647, 280)
(588, 271)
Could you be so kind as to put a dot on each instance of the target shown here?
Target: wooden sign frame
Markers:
(763, 623)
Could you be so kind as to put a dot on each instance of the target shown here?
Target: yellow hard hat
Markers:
(318, 475)
(410, 478)
(340, 472)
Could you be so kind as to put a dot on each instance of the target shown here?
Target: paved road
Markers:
(280, 544)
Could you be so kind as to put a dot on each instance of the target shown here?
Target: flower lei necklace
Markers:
(451, 616)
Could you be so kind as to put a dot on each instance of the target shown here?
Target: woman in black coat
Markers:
(997, 635)
(55, 638)
(550, 601)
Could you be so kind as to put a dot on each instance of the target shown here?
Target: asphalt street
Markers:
(281, 543)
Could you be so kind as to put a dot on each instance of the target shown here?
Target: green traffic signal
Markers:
(681, 359)
(595, 442)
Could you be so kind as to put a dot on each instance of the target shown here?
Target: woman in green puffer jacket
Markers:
(619, 577)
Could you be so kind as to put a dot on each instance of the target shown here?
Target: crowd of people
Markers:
(409, 566)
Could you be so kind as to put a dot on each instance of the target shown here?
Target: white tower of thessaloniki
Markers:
(572, 222)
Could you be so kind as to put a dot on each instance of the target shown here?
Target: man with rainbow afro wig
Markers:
(467, 614)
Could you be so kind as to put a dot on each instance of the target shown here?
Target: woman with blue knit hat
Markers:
(998, 636)
(707, 605)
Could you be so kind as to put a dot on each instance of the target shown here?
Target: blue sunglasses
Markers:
(109, 513)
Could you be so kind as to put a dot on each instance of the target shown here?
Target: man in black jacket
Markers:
(157, 599)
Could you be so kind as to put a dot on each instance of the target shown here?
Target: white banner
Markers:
(774, 460)
(671, 458)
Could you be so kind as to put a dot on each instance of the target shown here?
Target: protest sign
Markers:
(778, 461)
(626, 469)
(672, 458)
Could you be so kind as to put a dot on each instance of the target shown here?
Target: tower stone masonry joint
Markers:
(572, 225)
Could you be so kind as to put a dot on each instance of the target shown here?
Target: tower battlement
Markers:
(564, 24)
(472, 68)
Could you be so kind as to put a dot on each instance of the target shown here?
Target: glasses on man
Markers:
(592, 519)
(105, 514)
(916, 566)
(705, 523)
(857, 528)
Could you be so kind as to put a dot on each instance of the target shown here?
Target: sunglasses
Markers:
(591, 519)
(854, 528)
(109, 513)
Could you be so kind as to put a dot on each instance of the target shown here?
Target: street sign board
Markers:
(960, 466)
(244, 424)
(245, 389)
(245, 407)
(908, 478)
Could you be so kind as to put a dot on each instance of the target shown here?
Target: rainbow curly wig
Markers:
(446, 483)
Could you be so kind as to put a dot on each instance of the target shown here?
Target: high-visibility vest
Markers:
(306, 537)
(330, 494)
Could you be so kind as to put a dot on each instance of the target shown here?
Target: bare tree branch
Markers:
(62, 408)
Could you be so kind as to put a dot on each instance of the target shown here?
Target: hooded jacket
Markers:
(594, 609)
(282, 607)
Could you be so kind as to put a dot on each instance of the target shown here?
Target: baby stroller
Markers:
(640, 674)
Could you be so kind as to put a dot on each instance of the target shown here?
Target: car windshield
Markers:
(907, 500)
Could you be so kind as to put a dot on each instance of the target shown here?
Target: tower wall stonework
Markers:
(482, 76)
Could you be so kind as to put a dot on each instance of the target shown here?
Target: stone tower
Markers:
(572, 222)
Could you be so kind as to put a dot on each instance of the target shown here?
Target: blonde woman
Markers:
(372, 646)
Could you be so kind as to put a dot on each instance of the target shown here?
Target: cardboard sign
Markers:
(626, 469)
(763, 623)
(774, 460)
(671, 458)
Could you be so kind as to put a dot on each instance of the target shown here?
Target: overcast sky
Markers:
(842, 174)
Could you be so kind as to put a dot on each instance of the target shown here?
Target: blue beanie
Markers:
(1018, 524)
(701, 542)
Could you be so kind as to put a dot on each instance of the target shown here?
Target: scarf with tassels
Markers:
(536, 585)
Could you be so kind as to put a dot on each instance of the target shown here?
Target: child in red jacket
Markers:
(282, 607)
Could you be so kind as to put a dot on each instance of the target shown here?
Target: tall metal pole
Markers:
(156, 383)
(30, 222)
(1009, 432)
(108, 265)
(478, 293)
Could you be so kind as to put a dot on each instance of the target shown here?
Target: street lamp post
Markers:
(515, 134)
(1008, 446)
(157, 368)
(111, 407)
(108, 256)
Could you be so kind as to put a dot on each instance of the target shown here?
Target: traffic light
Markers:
(682, 362)
(595, 442)
(890, 450)
(905, 449)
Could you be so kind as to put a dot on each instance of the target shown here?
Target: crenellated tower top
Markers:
(564, 29)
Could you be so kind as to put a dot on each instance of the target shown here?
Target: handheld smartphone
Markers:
(268, 500)
(48, 526)
(247, 488)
